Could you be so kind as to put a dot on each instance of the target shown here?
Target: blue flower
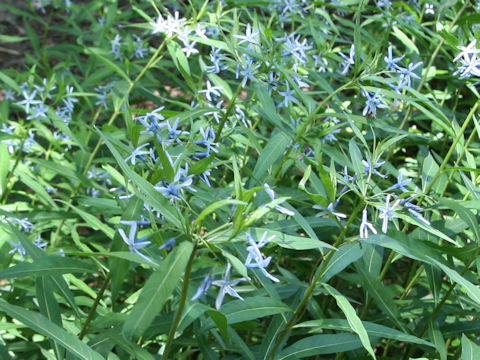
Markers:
(255, 259)
(365, 225)
(204, 286)
(271, 195)
(225, 285)
(386, 212)
(168, 245)
(400, 183)
(133, 244)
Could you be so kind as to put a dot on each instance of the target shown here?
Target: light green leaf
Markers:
(320, 344)
(92, 220)
(472, 291)
(157, 290)
(42, 325)
(373, 330)
(352, 318)
(270, 154)
(290, 241)
(344, 256)
(113, 66)
(143, 189)
(4, 166)
(221, 321)
(47, 265)
(400, 35)
(470, 350)
(252, 308)
(464, 214)
(216, 205)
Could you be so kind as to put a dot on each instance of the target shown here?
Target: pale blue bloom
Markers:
(414, 210)
(271, 195)
(407, 73)
(168, 245)
(39, 111)
(133, 244)
(204, 286)
(391, 61)
(138, 153)
(207, 141)
(18, 248)
(400, 183)
(387, 212)
(365, 225)
(29, 99)
(329, 210)
(255, 259)
(211, 91)
(225, 285)
(372, 169)
(288, 96)
(372, 103)
(249, 36)
(348, 60)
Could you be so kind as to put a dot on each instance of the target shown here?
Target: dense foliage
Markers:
(239, 179)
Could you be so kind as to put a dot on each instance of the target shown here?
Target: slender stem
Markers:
(450, 151)
(427, 69)
(228, 112)
(181, 305)
(297, 314)
(153, 60)
(94, 307)
(308, 122)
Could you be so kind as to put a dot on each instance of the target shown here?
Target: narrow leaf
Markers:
(157, 290)
(42, 325)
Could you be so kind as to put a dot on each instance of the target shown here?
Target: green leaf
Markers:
(58, 280)
(464, 214)
(381, 294)
(143, 189)
(470, 350)
(290, 241)
(472, 291)
(48, 265)
(344, 256)
(270, 154)
(113, 66)
(320, 344)
(373, 330)
(92, 220)
(10, 82)
(221, 321)
(400, 35)
(437, 339)
(352, 318)
(49, 307)
(252, 308)
(216, 205)
(4, 166)
(12, 39)
(157, 290)
(39, 323)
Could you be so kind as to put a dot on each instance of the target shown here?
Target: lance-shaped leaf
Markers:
(48, 265)
(44, 326)
(157, 290)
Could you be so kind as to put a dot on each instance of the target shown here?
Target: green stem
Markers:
(228, 112)
(94, 307)
(427, 69)
(181, 305)
(297, 314)
(153, 60)
(308, 122)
